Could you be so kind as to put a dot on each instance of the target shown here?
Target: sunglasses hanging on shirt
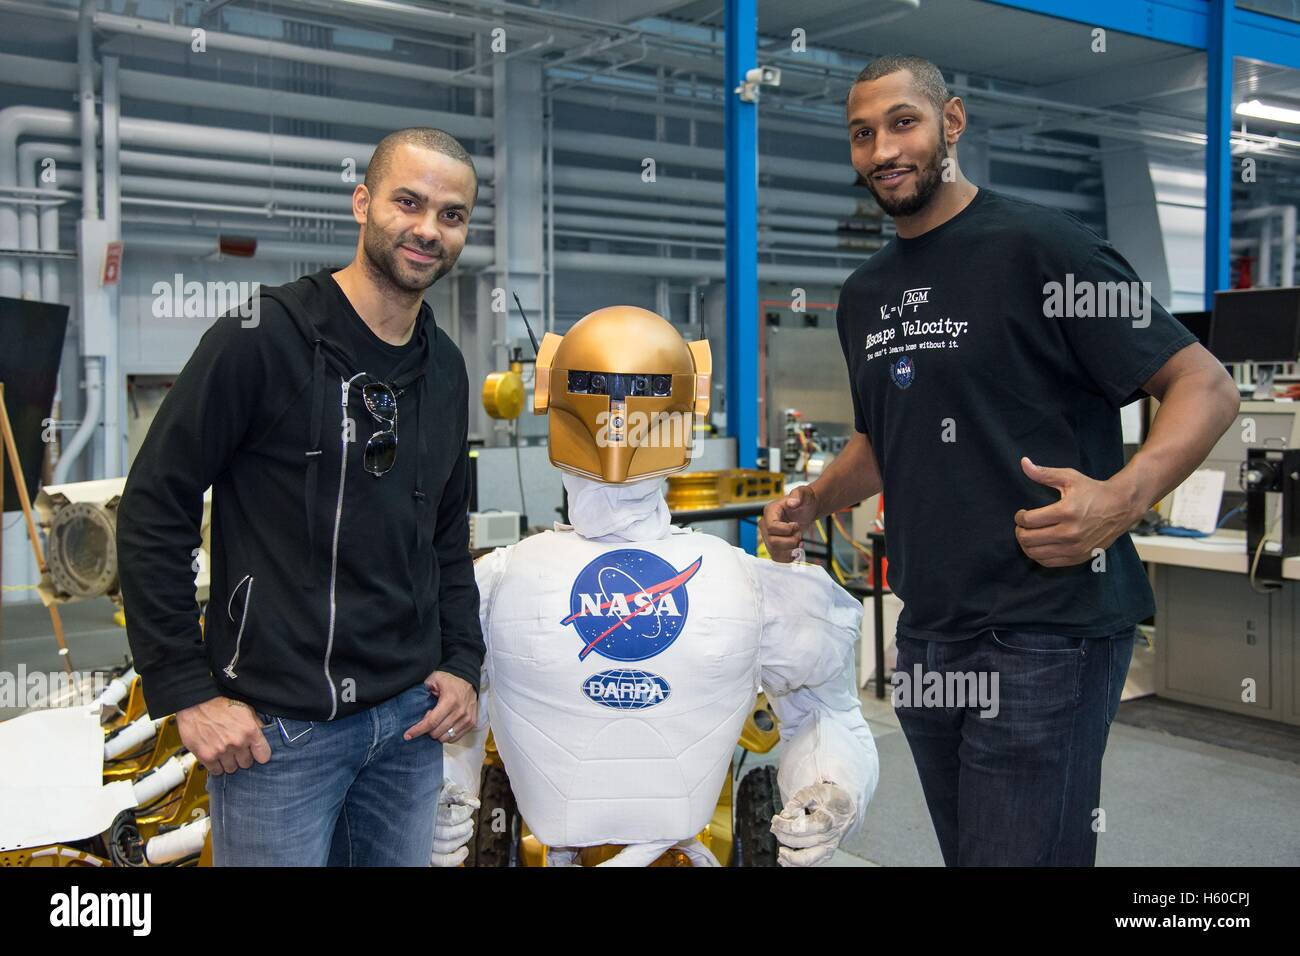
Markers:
(381, 449)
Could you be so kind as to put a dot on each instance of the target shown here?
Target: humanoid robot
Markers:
(624, 654)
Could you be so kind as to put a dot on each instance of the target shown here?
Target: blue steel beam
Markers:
(1271, 39)
(741, 134)
(1174, 21)
(1258, 36)
(1218, 148)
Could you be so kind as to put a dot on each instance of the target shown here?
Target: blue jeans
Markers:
(346, 792)
(1021, 787)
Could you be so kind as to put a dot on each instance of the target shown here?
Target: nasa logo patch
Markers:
(903, 372)
(626, 689)
(628, 605)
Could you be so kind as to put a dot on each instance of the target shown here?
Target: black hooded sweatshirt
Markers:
(331, 589)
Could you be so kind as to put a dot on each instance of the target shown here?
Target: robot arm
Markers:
(462, 761)
(829, 766)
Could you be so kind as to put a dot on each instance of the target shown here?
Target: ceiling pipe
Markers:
(853, 23)
(186, 137)
(208, 246)
(93, 367)
(275, 49)
(188, 91)
(636, 230)
(29, 234)
(697, 213)
(694, 269)
(696, 190)
(114, 395)
(426, 18)
(33, 152)
(674, 154)
(86, 109)
(193, 166)
(44, 219)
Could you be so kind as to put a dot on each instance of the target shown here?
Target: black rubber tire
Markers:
(488, 847)
(758, 799)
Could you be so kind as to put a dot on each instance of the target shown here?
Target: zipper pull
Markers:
(346, 389)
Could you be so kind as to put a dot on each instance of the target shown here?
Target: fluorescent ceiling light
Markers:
(1279, 114)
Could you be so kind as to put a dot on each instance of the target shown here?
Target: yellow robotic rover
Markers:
(144, 770)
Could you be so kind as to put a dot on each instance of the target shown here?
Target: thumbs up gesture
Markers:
(1090, 515)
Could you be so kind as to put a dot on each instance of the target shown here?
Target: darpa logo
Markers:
(626, 689)
(628, 605)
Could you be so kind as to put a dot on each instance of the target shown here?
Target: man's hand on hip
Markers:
(1089, 517)
(785, 520)
(223, 734)
(455, 713)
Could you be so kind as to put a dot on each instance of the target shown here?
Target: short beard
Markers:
(928, 178)
(383, 256)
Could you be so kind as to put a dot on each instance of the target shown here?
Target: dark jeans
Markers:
(1022, 787)
(346, 792)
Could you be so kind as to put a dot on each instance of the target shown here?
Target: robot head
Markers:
(622, 388)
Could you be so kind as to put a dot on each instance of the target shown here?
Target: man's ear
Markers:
(954, 119)
(361, 203)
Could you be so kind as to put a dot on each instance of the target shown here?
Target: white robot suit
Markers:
(624, 654)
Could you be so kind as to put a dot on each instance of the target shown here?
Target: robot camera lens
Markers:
(579, 381)
(662, 385)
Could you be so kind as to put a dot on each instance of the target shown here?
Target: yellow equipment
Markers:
(711, 489)
(503, 392)
(170, 825)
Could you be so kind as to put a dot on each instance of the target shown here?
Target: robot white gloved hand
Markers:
(623, 655)
(454, 825)
(812, 823)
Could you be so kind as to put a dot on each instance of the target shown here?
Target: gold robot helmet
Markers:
(622, 388)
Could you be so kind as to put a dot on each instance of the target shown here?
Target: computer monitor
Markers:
(1256, 325)
(1198, 323)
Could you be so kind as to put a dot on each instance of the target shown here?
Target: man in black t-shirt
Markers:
(990, 347)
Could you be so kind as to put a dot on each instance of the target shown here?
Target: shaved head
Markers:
(926, 77)
(424, 137)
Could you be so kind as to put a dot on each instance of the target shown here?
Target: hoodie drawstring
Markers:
(421, 396)
(310, 566)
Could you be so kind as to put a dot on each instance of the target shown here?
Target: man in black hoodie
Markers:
(341, 645)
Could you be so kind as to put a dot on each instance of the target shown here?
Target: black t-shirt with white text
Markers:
(1010, 330)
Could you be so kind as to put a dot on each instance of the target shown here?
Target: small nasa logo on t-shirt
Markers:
(903, 372)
